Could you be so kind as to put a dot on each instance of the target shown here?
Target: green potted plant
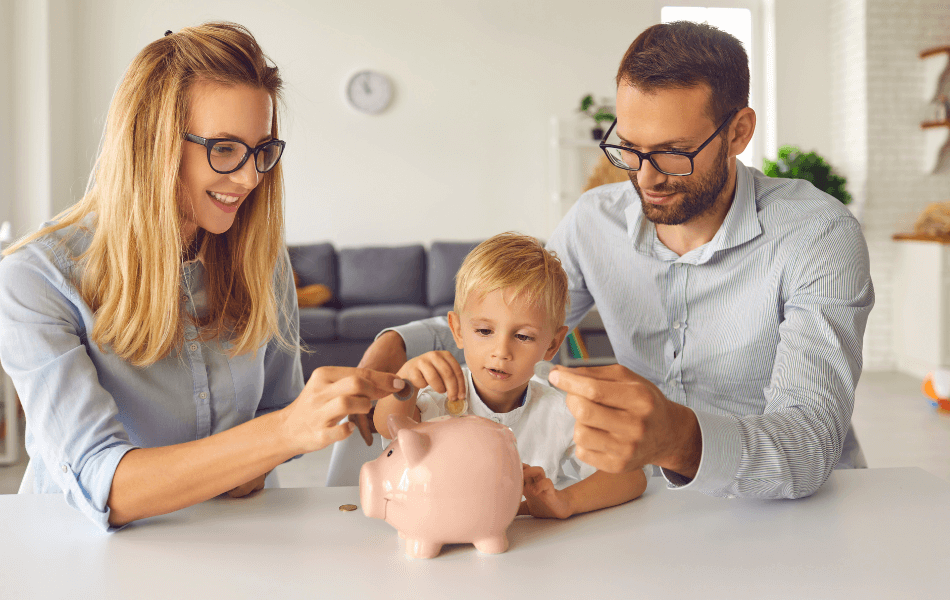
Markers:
(601, 113)
(792, 163)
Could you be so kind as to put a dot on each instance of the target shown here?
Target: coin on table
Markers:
(347, 507)
(456, 407)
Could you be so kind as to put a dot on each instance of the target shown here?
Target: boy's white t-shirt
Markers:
(543, 426)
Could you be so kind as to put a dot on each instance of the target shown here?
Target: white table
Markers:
(878, 533)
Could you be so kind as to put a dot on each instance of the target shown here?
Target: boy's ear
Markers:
(556, 342)
(455, 324)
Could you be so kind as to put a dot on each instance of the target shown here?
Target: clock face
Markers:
(369, 91)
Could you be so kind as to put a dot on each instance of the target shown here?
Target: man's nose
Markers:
(648, 177)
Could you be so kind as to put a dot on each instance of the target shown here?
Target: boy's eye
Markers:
(524, 338)
(483, 331)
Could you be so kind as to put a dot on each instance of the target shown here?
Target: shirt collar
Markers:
(740, 225)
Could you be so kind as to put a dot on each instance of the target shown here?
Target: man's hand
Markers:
(437, 369)
(250, 487)
(625, 422)
(387, 353)
(542, 500)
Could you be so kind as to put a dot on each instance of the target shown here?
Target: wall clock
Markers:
(369, 91)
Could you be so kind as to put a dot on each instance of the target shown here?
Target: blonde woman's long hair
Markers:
(131, 275)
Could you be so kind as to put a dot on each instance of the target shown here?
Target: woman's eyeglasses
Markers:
(227, 156)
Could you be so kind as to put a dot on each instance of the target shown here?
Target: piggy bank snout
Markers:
(370, 498)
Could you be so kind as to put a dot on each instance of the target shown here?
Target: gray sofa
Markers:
(373, 288)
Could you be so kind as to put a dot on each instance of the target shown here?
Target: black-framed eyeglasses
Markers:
(227, 156)
(668, 162)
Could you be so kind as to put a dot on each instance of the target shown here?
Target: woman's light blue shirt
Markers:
(85, 407)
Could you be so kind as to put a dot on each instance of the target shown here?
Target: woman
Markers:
(151, 330)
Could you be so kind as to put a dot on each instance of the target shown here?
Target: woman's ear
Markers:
(556, 342)
(455, 324)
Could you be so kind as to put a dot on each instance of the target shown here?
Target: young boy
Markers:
(510, 302)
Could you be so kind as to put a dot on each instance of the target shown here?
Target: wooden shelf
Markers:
(934, 51)
(930, 124)
(916, 237)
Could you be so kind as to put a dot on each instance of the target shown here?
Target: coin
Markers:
(347, 507)
(456, 407)
(406, 392)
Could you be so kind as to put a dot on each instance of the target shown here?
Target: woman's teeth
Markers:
(224, 199)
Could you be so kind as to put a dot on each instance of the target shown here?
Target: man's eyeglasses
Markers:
(669, 162)
(227, 156)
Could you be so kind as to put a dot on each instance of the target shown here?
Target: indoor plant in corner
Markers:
(792, 163)
(601, 113)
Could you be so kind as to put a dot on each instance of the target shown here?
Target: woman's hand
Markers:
(543, 500)
(311, 421)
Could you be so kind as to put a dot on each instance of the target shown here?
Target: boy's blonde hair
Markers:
(131, 271)
(518, 262)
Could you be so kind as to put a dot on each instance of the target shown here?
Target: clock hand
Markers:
(366, 87)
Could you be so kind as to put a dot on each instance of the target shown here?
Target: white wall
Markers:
(897, 188)
(6, 110)
(461, 153)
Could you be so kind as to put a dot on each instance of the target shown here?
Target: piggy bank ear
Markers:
(397, 422)
(414, 445)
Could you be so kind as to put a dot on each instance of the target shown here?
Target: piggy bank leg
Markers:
(493, 545)
(422, 548)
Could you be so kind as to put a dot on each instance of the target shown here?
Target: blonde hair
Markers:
(131, 271)
(520, 263)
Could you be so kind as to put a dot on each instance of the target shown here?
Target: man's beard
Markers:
(699, 196)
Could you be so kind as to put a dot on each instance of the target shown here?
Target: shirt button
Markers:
(193, 347)
(65, 468)
(202, 395)
(184, 298)
(676, 324)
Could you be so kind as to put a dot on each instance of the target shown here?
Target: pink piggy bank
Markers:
(446, 481)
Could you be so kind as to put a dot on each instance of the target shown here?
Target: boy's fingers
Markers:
(362, 423)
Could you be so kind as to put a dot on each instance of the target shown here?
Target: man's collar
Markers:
(740, 225)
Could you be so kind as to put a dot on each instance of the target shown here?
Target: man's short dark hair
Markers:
(684, 54)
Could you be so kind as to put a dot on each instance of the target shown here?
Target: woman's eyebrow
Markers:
(231, 136)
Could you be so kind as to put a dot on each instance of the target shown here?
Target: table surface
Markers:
(874, 533)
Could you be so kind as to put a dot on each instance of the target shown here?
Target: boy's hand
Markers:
(543, 500)
(437, 369)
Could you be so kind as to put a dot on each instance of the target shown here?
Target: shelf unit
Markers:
(936, 131)
(595, 339)
(572, 158)
(921, 303)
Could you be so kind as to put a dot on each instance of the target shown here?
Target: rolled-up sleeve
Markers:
(72, 417)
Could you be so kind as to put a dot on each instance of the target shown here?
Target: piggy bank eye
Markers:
(390, 453)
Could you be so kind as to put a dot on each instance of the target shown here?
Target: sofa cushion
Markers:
(315, 263)
(382, 275)
(317, 323)
(442, 310)
(445, 258)
(364, 322)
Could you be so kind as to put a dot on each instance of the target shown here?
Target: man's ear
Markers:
(455, 324)
(556, 342)
(741, 128)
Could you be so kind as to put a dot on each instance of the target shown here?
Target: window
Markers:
(742, 20)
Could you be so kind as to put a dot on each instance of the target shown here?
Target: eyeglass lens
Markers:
(226, 156)
(671, 164)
